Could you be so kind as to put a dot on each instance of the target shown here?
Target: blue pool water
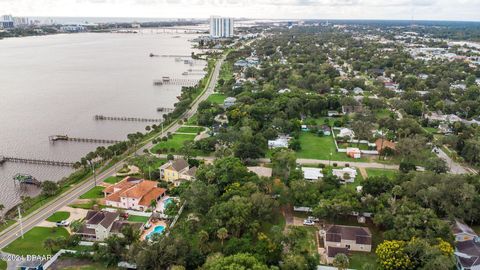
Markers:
(157, 230)
(167, 202)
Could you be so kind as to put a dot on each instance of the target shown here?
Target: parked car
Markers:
(314, 219)
(62, 223)
(308, 222)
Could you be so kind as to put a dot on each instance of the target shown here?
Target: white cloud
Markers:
(292, 9)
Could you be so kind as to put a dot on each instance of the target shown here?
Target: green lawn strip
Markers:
(320, 147)
(86, 206)
(32, 243)
(192, 120)
(193, 130)
(142, 219)
(431, 130)
(217, 98)
(3, 265)
(358, 259)
(113, 179)
(377, 172)
(176, 142)
(58, 216)
(94, 193)
(92, 266)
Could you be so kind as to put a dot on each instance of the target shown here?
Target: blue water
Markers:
(157, 230)
(167, 202)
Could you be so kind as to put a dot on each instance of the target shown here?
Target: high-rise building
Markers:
(221, 27)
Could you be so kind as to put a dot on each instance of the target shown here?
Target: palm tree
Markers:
(222, 234)
(203, 237)
(153, 204)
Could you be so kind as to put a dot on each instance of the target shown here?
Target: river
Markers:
(55, 84)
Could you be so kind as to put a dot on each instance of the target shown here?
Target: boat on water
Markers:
(153, 55)
(185, 73)
(26, 179)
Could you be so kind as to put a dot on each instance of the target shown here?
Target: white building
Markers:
(312, 174)
(221, 27)
(341, 173)
(280, 142)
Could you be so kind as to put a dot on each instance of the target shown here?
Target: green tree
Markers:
(237, 261)
(283, 162)
(49, 188)
(222, 234)
(436, 165)
(341, 261)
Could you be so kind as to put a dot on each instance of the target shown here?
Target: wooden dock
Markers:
(123, 118)
(4, 159)
(55, 138)
(165, 110)
(176, 81)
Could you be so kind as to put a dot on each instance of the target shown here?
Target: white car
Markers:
(62, 223)
(308, 222)
(314, 219)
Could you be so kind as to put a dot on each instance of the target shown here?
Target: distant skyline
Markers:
(462, 10)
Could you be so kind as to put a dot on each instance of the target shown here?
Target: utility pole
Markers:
(94, 176)
(20, 219)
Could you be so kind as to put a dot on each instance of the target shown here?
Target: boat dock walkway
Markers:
(123, 118)
(55, 138)
(176, 81)
(4, 159)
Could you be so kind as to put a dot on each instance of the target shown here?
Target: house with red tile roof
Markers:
(133, 193)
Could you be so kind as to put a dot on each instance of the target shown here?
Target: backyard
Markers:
(174, 143)
(377, 172)
(32, 242)
(142, 219)
(316, 147)
(113, 179)
(358, 259)
(217, 98)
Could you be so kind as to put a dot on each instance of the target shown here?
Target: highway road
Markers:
(30, 221)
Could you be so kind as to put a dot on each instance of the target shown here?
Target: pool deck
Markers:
(154, 224)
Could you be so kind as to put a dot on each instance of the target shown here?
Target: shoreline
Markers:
(65, 176)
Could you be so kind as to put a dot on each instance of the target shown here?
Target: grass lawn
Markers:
(316, 147)
(87, 206)
(138, 219)
(192, 120)
(112, 179)
(32, 243)
(58, 216)
(176, 142)
(94, 193)
(3, 265)
(193, 130)
(93, 266)
(431, 130)
(358, 259)
(383, 113)
(146, 163)
(216, 98)
(377, 172)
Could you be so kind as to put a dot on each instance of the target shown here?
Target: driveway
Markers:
(455, 167)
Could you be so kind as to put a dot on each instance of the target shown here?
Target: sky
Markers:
(465, 10)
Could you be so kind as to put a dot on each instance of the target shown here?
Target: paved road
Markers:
(455, 168)
(304, 161)
(13, 232)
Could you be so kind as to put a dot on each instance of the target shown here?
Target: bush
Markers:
(321, 165)
(335, 164)
(406, 166)
(347, 164)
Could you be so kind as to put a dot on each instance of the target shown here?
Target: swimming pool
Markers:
(157, 230)
(167, 201)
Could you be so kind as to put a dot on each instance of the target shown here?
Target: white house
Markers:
(346, 132)
(280, 142)
(341, 173)
(229, 102)
(312, 174)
